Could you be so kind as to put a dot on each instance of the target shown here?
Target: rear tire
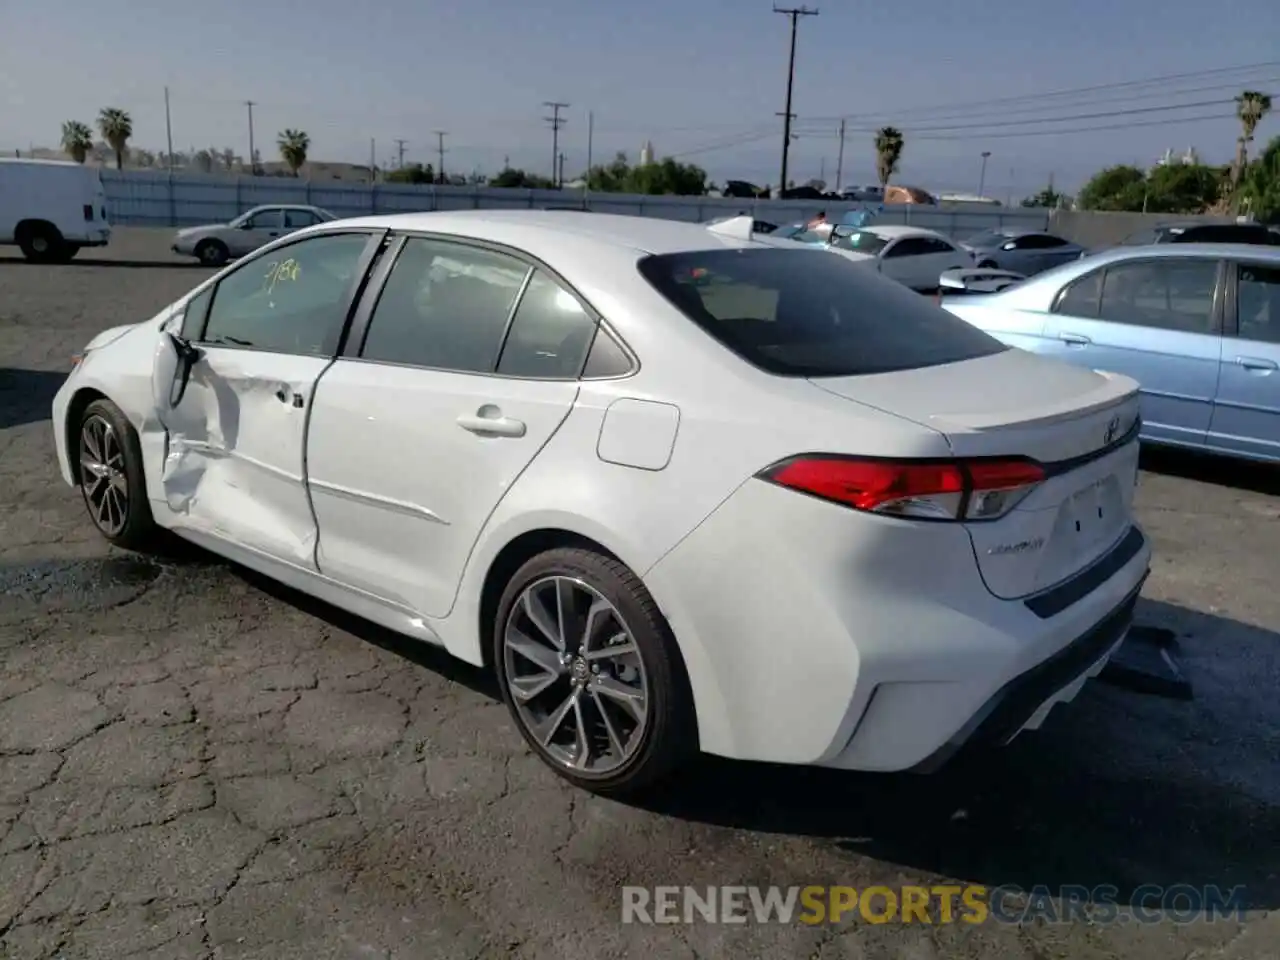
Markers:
(112, 482)
(609, 723)
(212, 253)
(40, 242)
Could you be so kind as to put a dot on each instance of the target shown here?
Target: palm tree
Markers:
(1251, 107)
(77, 140)
(293, 148)
(889, 144)
(116, 127)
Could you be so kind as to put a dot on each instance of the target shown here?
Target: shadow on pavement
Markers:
(26, 396)
(1116, 788)
(1221, 471)
(127, 264)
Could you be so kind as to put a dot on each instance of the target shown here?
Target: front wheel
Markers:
(212, 253)
(109, 463)
(591, 673)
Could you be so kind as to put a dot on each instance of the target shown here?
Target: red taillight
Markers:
(924, 489)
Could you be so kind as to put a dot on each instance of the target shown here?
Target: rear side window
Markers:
(801, 313)
(550, 333)
(1080, 297)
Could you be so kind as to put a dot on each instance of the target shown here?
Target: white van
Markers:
(52, 208)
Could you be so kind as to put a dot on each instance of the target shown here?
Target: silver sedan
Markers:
(216, 243)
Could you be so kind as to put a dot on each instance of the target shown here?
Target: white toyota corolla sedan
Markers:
(678, 488)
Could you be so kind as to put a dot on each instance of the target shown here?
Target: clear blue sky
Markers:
(686, 75)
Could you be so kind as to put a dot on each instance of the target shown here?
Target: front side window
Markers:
(1172, 294)
(909, 247)
(262, 219)
(445, 306)
(793, 314)
(293, 300)
(550, 333)
(861, 241)
(1258, 303)
(1080, 297)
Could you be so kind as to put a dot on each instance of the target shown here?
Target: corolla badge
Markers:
(1022, 546)
(1113, 428)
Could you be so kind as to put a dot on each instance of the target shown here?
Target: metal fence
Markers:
(160, 199)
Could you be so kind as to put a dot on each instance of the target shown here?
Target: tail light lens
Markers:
(961, 490)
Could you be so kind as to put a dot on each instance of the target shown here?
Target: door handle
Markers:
(1257, 364)
(491, 426)
(1074, 339)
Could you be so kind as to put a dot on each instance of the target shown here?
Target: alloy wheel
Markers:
(102, 475)
(575, 675)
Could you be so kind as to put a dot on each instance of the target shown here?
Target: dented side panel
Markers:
(234, 464)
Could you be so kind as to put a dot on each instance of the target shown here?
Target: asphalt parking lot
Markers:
(196, 764)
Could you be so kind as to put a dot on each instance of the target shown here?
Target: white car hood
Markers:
(192, 231)
(109, 336)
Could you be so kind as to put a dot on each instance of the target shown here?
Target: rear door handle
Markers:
(1074, 339)
(491, 426)
(1257, 364)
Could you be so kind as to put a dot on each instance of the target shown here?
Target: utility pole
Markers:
(560, 171)
(373, 163)
(840, 158)
(982, 177)
(556, 122)
(440, 153)
(794, 14)
(586, 184)
(400, 153)
(168, 129)
(253, 156)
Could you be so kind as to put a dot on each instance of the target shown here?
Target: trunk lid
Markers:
(1015, 404)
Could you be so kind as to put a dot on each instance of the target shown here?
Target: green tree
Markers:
(1048, 198)
(293, 145)
(116, 127)
(1251, 107)
(1121, 187)
(77, 140)
(514, 178)
(1183, 188)
(889, 143)
(1260, 187)
(666, 176)
(413, 173)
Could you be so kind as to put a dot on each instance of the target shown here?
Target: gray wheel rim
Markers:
(40, 245)
(575, 676)
(102, 476)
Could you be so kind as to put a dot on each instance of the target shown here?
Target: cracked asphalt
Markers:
(198, 764)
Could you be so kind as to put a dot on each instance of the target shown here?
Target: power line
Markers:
(1094, 88)
(793, 14)
(1066, 119)
(979, 135)
(556, 122)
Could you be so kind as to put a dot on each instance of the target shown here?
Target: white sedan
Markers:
(678, 488)
(913, 256)
(215, 243)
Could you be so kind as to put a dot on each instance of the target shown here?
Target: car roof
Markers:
(535, 230)
(894, 231)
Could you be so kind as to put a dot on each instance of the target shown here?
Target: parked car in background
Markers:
(1197, 325)
(1021, 251)
(614, 459)
(217, 243)
(51, 209)
(913, 256)
(1195, 232)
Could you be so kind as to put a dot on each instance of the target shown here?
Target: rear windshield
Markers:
(810, 313)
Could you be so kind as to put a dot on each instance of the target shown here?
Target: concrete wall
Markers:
(152, 199)
(147, 198)
(1097, 229)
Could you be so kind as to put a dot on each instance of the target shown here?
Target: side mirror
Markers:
(247, 225)
(187, 355)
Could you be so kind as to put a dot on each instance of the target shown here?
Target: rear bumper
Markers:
(813, 634)
(1018, 704)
